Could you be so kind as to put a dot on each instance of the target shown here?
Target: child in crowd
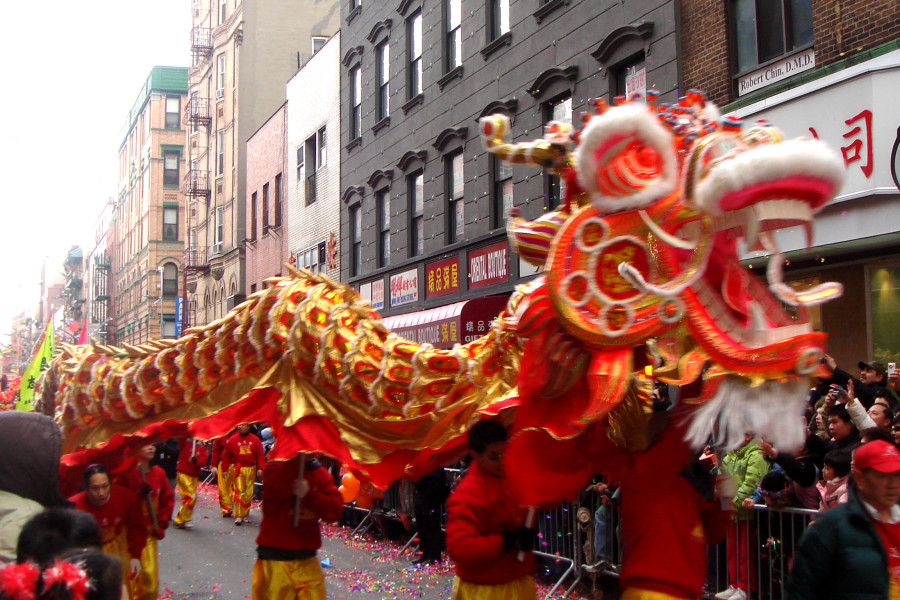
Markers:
(836, 473)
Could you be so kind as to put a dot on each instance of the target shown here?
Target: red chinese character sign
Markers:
(442, 277)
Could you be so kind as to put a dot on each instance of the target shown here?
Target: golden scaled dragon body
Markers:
(643, 253)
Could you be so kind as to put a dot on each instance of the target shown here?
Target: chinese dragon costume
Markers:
(640, 267)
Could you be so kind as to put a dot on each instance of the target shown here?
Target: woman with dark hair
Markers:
(118, 513)
(54, 531)
(78, 574)
(30, 445)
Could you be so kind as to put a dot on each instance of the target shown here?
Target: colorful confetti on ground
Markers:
(357, 567)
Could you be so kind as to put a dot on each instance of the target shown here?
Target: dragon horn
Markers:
(541, 153)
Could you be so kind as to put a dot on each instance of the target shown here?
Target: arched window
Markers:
(207, 305)
(170, 280)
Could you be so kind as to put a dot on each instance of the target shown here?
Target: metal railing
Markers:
(583, 540)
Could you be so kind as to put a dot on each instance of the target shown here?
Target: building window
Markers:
(499, 17)
(384, 90)
(311, 168)
(559, 109)
(300, 159)
(220, 153)
(265, 208)
(220, 77)
(223, 13)
(277, 204)
(173, 112)
(354, 4)
(320, 149)
(383, 209)
(453, 37)
(253, 213)
(355, 103)
(219, 230)
(170, 223)
(416, 194)
(311, 258)
(767, 29)
(455, 185)
(169, 280)
(502, 190)
(414, 68)
(317, 42)
(355, 240)
(168, 327)
(170, 168)
(631, 77)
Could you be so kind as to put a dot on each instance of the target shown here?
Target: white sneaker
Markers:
(727, 594)
(739, 595)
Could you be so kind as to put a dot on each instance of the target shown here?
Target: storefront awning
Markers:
(444, 326)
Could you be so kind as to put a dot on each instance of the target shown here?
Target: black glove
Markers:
(522, 539)
(145, 491)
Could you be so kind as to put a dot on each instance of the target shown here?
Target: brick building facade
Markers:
(314, 149)
(266, 246)
(832, 72)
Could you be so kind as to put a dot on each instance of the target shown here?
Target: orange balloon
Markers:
(346, 495)
(350, 482)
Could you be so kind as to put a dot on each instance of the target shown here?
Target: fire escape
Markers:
(100, 307)
(196, 185)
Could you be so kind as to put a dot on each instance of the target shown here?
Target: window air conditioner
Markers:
(217, 248)
(220, 93)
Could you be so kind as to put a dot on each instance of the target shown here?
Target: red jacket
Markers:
(323, 501)
(243, 450)
(161, 494)
(188, 450)
(478, 512)
(122, 511)
(666, 522)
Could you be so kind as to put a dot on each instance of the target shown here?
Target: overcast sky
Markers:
(71, 72)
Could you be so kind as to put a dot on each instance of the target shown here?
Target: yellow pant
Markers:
(636, 594)
(187, 489)
(520, 589)
(288, 580)
(118, 547)
(147, 584)
(244, 477)
(224, 477)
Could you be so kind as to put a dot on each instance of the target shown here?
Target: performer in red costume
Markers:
(286, 565)
(192, 457)
(245, 452)
(667, 502)
(157, 501)
(118, 513)
(224, 476)
(486, 536)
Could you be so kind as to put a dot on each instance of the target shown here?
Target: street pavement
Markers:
(214, 561)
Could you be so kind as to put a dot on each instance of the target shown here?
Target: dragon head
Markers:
(648, 244)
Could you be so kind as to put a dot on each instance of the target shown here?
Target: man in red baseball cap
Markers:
(853, 550)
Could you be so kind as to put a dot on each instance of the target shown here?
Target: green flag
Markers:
(32, 372)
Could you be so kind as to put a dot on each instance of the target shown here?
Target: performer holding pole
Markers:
(486, 533)
(191, 458)
(286, 566)
(158, 501)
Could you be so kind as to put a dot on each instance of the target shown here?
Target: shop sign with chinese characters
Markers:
(405, 287)
(373, 291)
(857, 116)
(488, 265)
(442, 277)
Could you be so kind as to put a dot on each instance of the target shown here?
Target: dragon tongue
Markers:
(734, 289)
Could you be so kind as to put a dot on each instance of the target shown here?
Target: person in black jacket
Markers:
(852, 552)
